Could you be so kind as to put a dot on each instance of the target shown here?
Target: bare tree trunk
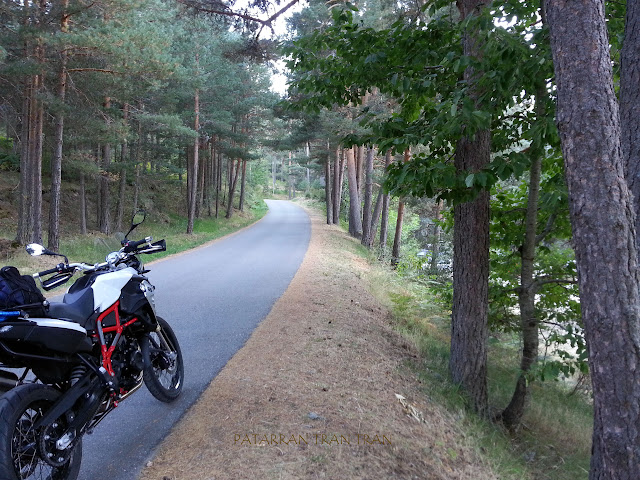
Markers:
(337, 187)
(368, 194)
(355, 218)
(232, 189)
(273, 176)
(603, 224)
(124, 154)
(290, 180)
(512, 415)
(25, 223)
(435, 249)
(192, 171)
(83, 205)
(200, 192)
(218, 182)
(360, 170)
(53, 241)
(327, 191)
(379, 207)
(104, 215)
(469, 319)
(242, 184)
(630, 103)
(397, 239)
(36, 192)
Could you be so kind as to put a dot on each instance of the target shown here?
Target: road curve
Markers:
(213, 297)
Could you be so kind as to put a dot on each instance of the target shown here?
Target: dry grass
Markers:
(324, 362)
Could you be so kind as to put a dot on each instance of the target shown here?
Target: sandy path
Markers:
(312, 394)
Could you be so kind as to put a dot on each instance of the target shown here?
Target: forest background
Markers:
(438, 119)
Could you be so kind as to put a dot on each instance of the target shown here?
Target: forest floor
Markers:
(314, 391)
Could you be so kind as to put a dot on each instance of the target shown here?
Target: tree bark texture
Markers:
(243, 181)
(355, 218)
(232, 189)
(397, 239)
(384, 220)
(328, 191)
(337, 187)
(124, 160)
(512, 415)
(53, 240)
(377, 210)
(104, 210)
(630, 102)
(602, 219)
(192, 170)
(435, 249)
(368, 194)
(83, 205)
(469, 319)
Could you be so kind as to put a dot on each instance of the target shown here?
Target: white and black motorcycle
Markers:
(65, 366)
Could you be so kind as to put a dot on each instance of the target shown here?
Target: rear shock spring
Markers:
(77, 373)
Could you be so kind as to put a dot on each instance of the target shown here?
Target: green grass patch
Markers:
(555, 440)
(94, 247)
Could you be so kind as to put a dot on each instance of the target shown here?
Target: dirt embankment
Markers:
(313, 393)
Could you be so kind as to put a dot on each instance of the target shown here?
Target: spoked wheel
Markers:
(163, 367)
(21, 452)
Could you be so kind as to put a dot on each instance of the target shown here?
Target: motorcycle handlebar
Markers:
(56, 269)
(131, 246)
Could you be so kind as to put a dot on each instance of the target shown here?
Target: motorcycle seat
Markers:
(75, 307)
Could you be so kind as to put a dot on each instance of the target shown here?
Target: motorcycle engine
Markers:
(127, 363)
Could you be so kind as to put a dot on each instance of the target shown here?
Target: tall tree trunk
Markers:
(360, 170)
(397, 239)
(435, 249)
(218, 182)
(200, 192)
(469, 319)
(384, 221)
(192, 171)
(355, 218)
(290, 180)
(337, 187)
(368, 194)
(242, 184)
(327, 191)
(630, 103)
(53, 241)
(273, 176)
(602, 219)
(512, 415)
(83, 205)
(232, 189)
(375, 218)
(36, 191)
(104, 215)
(25, 217)
(124, 160)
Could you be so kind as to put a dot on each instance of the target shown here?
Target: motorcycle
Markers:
(66, 365)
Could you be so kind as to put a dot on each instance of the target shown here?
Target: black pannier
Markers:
(20, 292)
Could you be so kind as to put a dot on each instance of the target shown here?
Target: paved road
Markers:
(213, 297)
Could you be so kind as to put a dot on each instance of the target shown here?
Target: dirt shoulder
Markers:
(312, 394)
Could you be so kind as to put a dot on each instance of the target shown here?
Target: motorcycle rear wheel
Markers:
(20, 459)
(163, 367)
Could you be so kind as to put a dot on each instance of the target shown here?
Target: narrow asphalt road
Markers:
(213, 297)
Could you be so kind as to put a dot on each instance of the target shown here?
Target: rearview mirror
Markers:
(35, 250)
(138, 217)
(136, 220)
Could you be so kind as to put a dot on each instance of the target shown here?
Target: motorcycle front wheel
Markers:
(20, 451)
(163, 365)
